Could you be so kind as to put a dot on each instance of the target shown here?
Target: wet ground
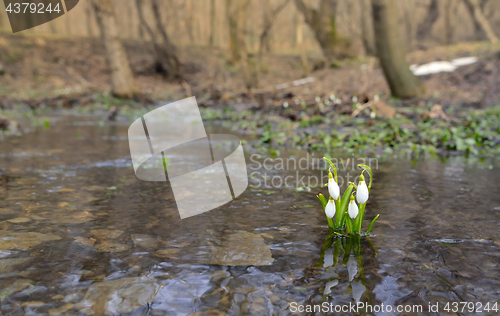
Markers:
(81, 235)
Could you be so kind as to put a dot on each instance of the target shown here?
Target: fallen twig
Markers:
(364, 107)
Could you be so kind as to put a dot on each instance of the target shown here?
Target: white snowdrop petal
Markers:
(353, 209)
(330, 209)
(362, 193)
(333, 189)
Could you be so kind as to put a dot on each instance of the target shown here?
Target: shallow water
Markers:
(80, 234)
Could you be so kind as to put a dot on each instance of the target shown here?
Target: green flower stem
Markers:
(365, 167)
(334, 169)
(358, 222)
(349, 224)
(331, 224)
(342, 206)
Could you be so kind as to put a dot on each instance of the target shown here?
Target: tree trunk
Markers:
(269, 18)
(425, 28)
(367, 28)
(88, 15)
(302, 50)
(322, 22)
(167, 61)
(212, 23)
(480, 21)
(189, 20)
(232, 20)
(122, 80)
(390, 51)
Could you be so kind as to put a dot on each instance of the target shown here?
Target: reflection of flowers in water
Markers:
(357, 290)
(352, 258)
(352, 268)
(329, 285)
(328, 260)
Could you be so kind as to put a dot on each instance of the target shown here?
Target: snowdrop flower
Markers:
(362, 194)
(332, 97)
(297, 102)
(354, 99)
(333, 187)
(330, 208)
(285, 105)
(376, 97)
(317, 99)
(353, 208)
(338, 101)
(373, 115)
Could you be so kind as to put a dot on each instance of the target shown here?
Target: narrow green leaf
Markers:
(322, 199)
(371, 224)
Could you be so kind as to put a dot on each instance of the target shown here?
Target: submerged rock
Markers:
(19, 220)
(89, 242)
(111, 247)
(13, 264)
(144, 241)
(23, 241)
(17, 286)
(61, 310)
(106, 234)
(168, 253)
(74, 217)
(241, 248)
(119, 296)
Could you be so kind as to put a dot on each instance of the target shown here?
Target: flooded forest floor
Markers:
(345, 108)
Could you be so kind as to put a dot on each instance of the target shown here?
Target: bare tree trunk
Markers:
(425, 28)
(390, 51)
(302, 50)
(322, 22)
(122, 80)
(167, 61)
(409, 23)
(367, 28)
(212, 22)
(88, 15)
(269, 18)
(189, 20)
(232, 19)
(480, 21)
(451, 9)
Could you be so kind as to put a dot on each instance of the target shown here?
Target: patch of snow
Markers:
(432, 68)
(441, 66)
(464, 61)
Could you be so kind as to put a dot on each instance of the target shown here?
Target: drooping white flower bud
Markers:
(353, 208)
(330, 208)
(362, 193)
(333, 187)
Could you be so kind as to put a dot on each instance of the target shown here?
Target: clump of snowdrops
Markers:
(345, 214)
